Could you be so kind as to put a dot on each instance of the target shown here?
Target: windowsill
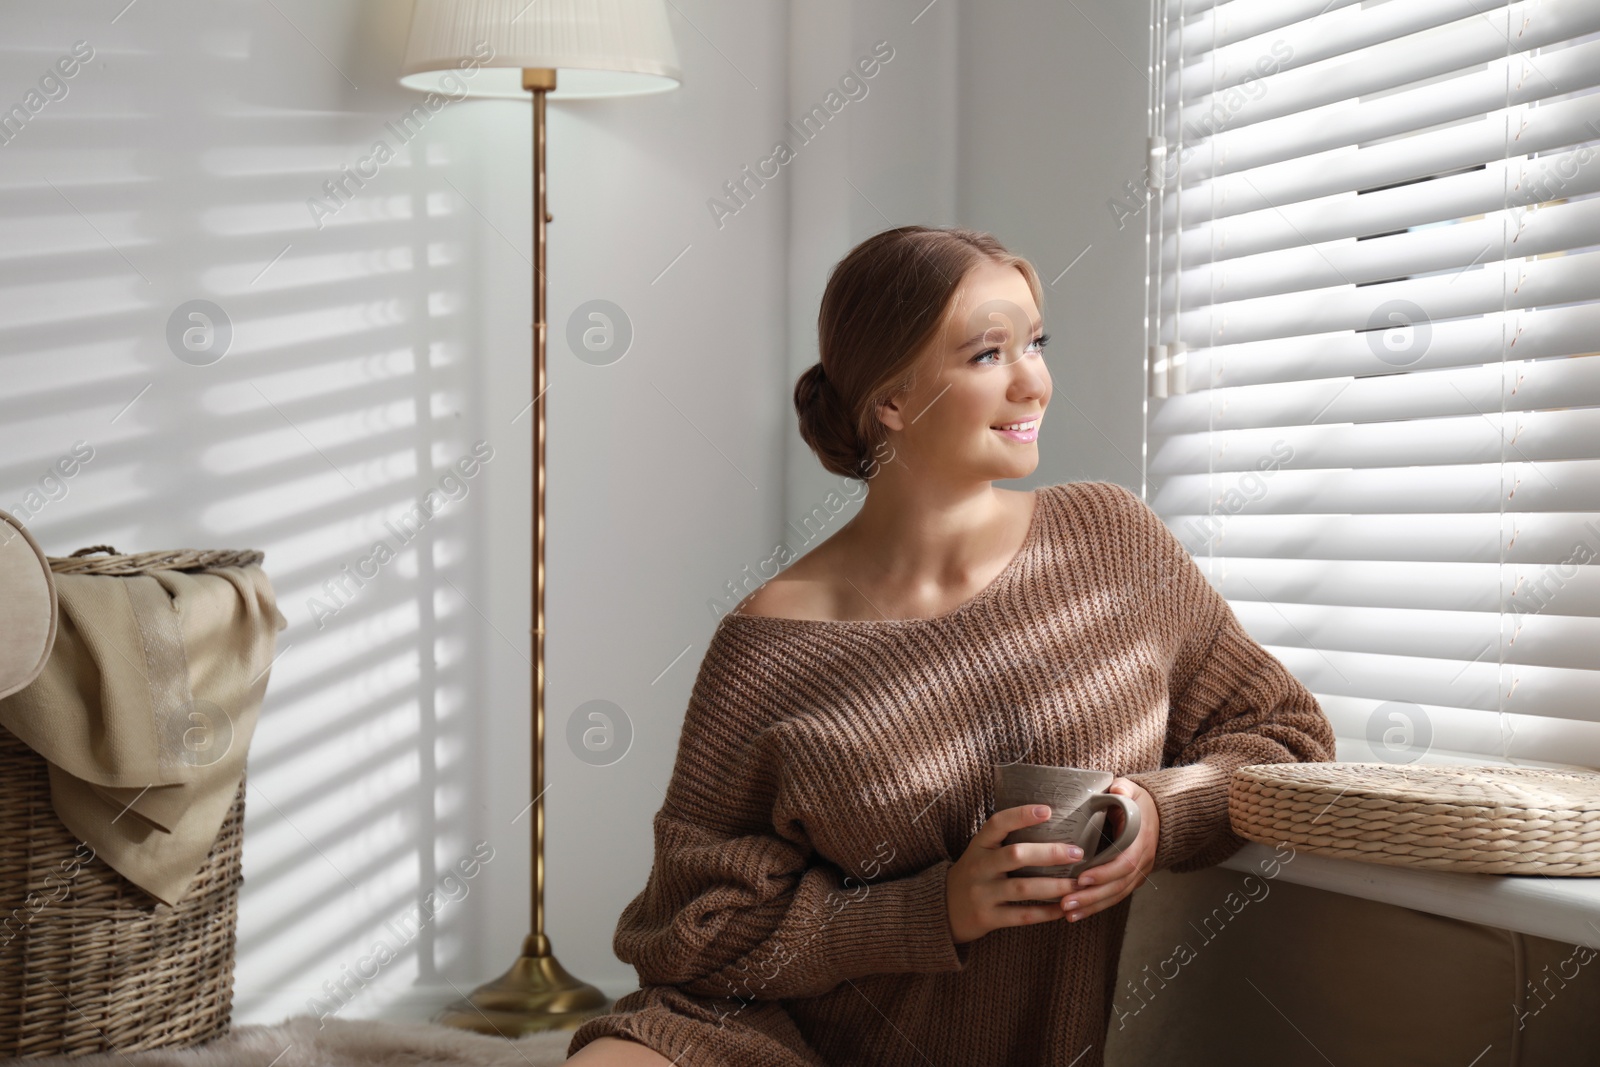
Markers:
(1563, 908)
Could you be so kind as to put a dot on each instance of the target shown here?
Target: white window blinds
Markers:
(1373, 311)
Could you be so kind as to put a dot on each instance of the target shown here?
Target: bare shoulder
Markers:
(781, 598)
(802, 591)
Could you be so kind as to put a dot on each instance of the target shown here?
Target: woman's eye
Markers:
(1040, 341)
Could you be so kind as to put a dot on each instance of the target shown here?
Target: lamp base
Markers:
(535, 995)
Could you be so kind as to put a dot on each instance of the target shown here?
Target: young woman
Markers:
(830, 883)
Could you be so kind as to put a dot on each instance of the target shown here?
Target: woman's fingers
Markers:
(997, 826)
(1039, 888)
(1100, 887)
(1106, 878)
(1120, 867)
(1079, 912)
(1103, 886)
(1086, 900)
(1139, 854)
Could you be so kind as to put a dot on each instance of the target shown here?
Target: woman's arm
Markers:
(1231, 703)
(749, 914)
(738, 902)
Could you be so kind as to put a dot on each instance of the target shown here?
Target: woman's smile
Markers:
(1025, 431)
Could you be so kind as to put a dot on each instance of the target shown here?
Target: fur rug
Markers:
(299, 1042)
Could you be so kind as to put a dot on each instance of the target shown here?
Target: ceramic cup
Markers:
(1078, 804)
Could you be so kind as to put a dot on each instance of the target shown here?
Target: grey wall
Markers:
(890, 162)
(1023, 119)
(177, 166)
(1052, 116)
(680, 483)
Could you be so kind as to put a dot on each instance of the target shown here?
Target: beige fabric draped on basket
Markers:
(122, 798)
(1488, 819)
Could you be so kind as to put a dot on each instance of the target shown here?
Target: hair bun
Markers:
(825, 424)
(813, 386)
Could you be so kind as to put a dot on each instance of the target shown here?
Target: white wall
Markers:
(1053, 112)
(666, 470)
(1021, 118)
(380, 347)
(177, 167)
(891, 162)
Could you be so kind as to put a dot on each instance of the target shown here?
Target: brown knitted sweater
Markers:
(829, 772)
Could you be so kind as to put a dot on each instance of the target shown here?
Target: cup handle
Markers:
(1130, 828)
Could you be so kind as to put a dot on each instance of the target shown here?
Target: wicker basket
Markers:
(1487, 819)
(89, 962)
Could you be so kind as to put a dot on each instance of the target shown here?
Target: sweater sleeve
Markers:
(738, 903)
(752, 916)
(1231, 703)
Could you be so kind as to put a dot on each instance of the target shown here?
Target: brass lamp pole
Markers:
(508, 49)
(537, 993)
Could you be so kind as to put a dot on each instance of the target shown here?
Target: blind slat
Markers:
(1341, 31)
(1563, 585)
(1551, 641)
(1500, 184)
(1399, 733)
(1230, 23)
(1518, 334)
(1565, 485)
(1535, 538)
(1551, 692)
(1492, 286)
(1186, 422)
(1478, 437)
(1474, 41)
(1547, 127)
(1518, 232)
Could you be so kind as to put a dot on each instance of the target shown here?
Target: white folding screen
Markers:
(1373, 317)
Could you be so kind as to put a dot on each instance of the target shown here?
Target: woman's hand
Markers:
(978, 892)
(1098, 888)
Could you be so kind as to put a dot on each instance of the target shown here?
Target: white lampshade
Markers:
(597, 47)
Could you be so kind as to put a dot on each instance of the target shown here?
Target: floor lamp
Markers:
(509, 49)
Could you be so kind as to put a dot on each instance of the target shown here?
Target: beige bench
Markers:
(1223, 968)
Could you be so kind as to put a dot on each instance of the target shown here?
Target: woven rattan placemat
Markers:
(1488, 819)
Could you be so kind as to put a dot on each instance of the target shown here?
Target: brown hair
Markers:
(882, 305)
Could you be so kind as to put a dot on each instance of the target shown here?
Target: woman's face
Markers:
(983, 369)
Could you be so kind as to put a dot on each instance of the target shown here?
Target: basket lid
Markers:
(28, 609)
(105, 560)
(1461, 785)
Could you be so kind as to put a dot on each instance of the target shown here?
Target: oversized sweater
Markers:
(829, 772)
